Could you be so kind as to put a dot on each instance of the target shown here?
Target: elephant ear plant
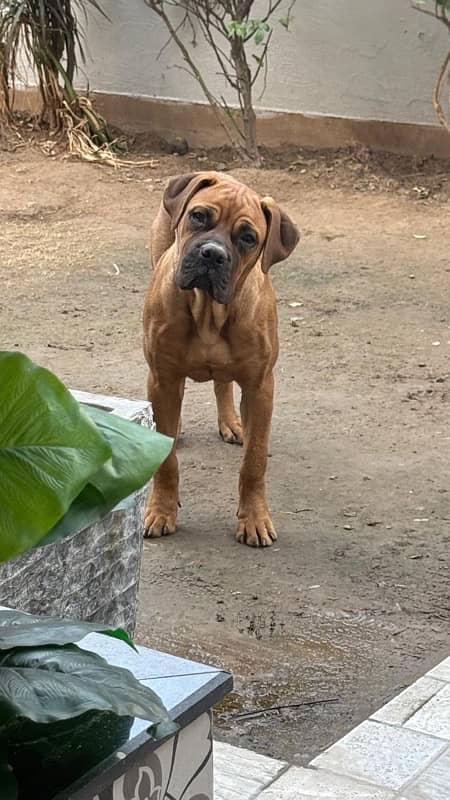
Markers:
(62, 467)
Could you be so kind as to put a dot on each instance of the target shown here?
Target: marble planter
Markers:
(177, 768)
(94, 574)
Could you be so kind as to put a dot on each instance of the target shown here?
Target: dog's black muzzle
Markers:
(207, 265)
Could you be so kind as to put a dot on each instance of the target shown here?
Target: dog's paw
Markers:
(159, 523)
(256, 530)
(231, 431)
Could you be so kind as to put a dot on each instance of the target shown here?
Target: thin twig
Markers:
(181, 25)
(261, 61)
(261, 712)
(435, 14)
(297, 511)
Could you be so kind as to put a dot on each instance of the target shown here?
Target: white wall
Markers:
(362, 59)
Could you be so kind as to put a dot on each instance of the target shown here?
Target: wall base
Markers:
(197, 123)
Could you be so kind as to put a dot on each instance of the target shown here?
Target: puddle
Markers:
(295, 676)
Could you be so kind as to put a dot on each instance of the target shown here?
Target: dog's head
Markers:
(223, 230)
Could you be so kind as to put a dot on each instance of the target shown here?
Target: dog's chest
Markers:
(208, 353)
(209, 359)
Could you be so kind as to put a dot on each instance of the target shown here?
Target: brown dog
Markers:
(210, 314)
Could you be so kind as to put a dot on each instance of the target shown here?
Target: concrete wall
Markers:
(356, 59)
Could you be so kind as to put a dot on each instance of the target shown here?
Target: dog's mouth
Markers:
(207, 266)
(221, 294)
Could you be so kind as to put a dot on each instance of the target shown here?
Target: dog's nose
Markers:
(213, 254)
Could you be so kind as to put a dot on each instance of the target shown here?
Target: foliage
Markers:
(48, 36)
(50, 682)
(45, 679)
(440, 10)
(63, 466)
(240, 42)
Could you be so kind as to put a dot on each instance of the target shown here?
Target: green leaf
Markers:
(238, 29)
(137, 453)
(8, 786)
(49, 447)
(18, 629)
(47, 684)
(259, 36)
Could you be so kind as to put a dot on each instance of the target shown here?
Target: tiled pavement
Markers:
(402, 752)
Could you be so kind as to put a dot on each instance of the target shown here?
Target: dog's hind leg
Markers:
(230, 427)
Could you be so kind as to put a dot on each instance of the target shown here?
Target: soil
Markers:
(353, 602)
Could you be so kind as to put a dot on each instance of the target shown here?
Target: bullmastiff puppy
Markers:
(210, 314)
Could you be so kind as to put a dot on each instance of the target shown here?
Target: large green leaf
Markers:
(46, 684)
(18, 629)
(137, 453)
(49, 447)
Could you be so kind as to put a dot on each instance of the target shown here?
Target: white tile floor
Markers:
(401, 753)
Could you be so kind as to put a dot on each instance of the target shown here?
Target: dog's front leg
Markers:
(160, 517)
(255, 526)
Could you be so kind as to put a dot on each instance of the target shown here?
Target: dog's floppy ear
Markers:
(179, 191)
(282, 235)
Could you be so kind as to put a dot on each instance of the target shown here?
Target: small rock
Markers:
(295, 321)
(348, 528)
(176, 146)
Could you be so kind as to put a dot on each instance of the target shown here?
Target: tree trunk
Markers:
(5, 94)
(244, 80)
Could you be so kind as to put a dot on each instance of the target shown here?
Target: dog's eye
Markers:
(248, 238)
(199, 218)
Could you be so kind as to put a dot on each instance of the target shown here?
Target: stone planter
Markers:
(94, 574)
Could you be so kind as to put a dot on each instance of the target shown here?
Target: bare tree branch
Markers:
(437, 93)
(231, 116)
(181, 25)
(227, 28)
(262, 60)
(439, 13)
(158, 8)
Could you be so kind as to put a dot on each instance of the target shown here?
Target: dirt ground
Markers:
(353, 601)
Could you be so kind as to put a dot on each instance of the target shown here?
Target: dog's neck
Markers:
(209, 316)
